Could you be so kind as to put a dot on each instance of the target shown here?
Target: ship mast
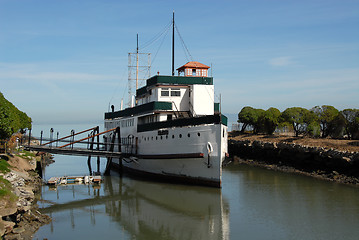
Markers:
(173, 44)
(137, 65)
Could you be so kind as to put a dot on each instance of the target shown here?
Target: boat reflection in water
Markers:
(147, 210)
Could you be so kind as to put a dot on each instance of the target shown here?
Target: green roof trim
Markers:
(174, 80)
(216, 107)
(224, 120)
(179, 80)
(148, 107)
(183, 122)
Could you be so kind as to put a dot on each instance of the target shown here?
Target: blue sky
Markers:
(66, 61)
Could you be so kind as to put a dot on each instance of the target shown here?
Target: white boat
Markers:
(174, 129)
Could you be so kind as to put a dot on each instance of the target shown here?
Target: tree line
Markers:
(321, 121)
(12, 120)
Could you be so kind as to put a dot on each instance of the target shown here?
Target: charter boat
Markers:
(175, 131)
(173, 128)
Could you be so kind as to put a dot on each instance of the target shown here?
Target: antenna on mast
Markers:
(173, 43)
(137, 65)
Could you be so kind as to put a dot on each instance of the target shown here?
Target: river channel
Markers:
(253, 203)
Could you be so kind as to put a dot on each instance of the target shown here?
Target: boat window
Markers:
(199, 134)
(188, 135)
(165, 92)
(180, 135)
(175, 92)
(193, 72)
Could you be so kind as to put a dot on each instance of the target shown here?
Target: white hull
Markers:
(189, 154)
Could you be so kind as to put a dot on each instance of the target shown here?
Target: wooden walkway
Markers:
(73, 151)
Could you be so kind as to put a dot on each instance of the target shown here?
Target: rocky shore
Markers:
(20, 218)
(336, 160)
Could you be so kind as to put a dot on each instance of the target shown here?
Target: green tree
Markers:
(258, 123)
(326, 115)
(25, 121)
(298, 117)
(270, 120)
(12, 119)
(251, 117)
(351, 119)
(246, 116)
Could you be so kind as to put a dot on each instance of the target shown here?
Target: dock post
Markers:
(29, 136)
(98, 148)
(89, 164)
(73, 138)
(108, 166)
(51, 136)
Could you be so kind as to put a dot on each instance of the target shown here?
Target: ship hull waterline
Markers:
(195, 162)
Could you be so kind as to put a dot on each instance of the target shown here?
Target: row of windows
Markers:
(196, 72)
(128, 122)
(123, 123)
(174, 92)
(166, 137)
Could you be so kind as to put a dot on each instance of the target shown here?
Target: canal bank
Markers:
(19, 215)
(333, 160)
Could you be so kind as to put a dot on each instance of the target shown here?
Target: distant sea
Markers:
(62, 129)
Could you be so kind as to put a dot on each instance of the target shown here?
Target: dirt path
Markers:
(338, 144)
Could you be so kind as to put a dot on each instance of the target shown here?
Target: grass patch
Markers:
(26, 155)
(4, 166)
(6, 189)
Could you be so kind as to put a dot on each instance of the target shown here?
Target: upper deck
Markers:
(173, 80)
(168, 97)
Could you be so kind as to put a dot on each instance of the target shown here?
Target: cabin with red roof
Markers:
(193, 69)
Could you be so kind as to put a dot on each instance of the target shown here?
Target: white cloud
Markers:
(281, 61)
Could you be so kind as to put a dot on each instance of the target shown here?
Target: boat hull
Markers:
(191, 155)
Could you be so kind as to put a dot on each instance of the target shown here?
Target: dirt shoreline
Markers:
(328, 159)
(327, 143)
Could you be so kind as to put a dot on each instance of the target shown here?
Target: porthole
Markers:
(161, 137)
(173, 136)
(180, 136)
(156, 138)
(188, 135)
(166, 136)
(199, 134)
